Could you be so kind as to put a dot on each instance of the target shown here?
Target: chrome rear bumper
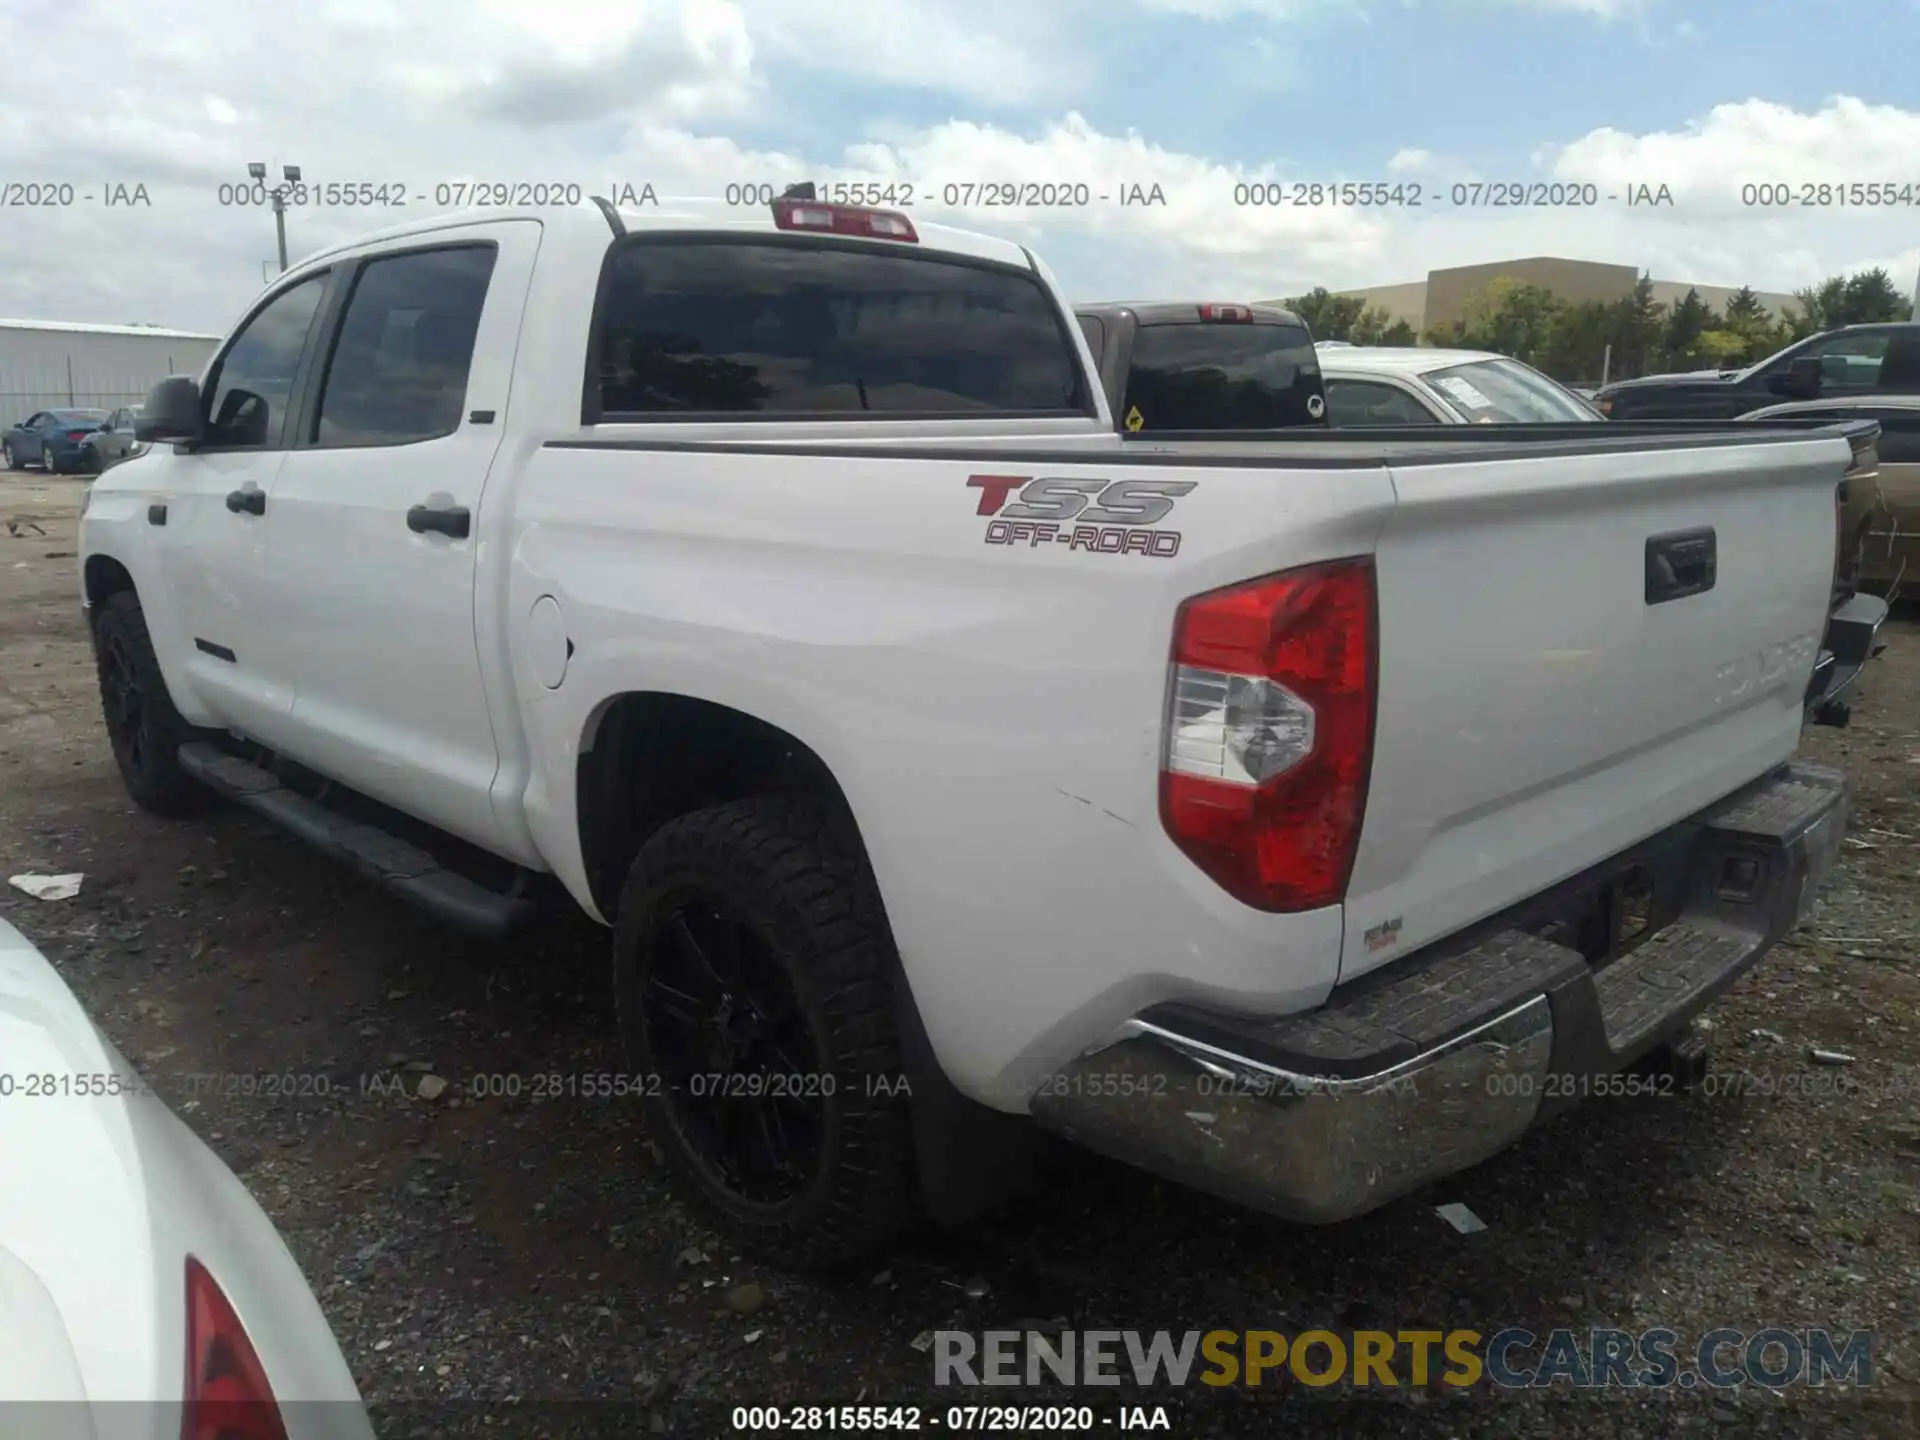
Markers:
(1449, 1056)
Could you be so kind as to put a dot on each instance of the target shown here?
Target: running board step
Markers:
(405, 869)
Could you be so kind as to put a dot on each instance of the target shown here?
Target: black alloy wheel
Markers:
(740, 1068)
(754, 984)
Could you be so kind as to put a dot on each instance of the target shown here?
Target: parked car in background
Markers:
(1192, 366)
(1882, 523)
(1854, 362)
(50, 438)
(143, 1292)
(1373, 388)
(1370, 385)
(113, 442)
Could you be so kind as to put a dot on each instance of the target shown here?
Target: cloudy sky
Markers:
(1196, 96)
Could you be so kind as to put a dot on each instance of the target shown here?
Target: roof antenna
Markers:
(803, 191)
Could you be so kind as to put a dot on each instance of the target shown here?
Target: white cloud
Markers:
(1283, 10)
(1711, 162)
(435, 90)
(992, 52)
(1599, 9)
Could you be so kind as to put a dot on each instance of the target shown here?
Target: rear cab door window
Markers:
(1200, 375)
(398, 371)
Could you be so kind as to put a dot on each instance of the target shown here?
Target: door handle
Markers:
(1681, 563)
(252, 501)
(453, 521)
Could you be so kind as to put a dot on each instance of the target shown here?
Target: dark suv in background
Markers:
(1850, 363)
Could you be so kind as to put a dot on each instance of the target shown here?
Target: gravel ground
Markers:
(471, 1251)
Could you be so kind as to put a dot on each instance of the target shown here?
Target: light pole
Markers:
(278, 194)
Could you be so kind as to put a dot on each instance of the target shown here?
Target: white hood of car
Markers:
(103, 1196)
(73, 1193)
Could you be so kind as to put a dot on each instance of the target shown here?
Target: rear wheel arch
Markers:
(649, 757)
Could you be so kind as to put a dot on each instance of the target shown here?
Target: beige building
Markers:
(1444, 296)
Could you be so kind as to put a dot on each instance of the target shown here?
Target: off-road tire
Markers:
(812, 902)
(150, 768)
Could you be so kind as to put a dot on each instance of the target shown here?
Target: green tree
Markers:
(1328, 316)
(1576, 351)
(1376, 327)
(1511, 318)
(1868, 297)
(1721, 350)
(1687, 322)
(1635, 329)
(1746, 331)
(1744, 309)
(1571, 341)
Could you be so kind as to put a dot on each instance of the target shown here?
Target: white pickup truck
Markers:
(1303, 816)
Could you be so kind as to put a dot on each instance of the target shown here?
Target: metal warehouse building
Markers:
(45, 364)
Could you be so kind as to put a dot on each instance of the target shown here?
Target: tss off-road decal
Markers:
(1106, 517)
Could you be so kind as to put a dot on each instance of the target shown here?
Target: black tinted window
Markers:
(1223, 377)
(253, 382)
(399, 369)
(703, 326)
(1899, 442)
(1363, 402)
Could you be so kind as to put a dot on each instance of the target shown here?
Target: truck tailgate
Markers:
(1574, 653)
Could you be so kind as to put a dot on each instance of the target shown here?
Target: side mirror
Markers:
(1805, 376)
(173, 412)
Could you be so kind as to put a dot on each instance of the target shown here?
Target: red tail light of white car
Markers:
(1270, 733)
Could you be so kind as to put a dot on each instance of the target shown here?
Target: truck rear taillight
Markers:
(1227, 314)
(795, 214)
(1269, 735)
(227, 1394)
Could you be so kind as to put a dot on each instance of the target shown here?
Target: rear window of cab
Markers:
(693, 327)
(1187, 375)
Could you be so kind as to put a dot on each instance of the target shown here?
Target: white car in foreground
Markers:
(1369, 385)
(143, 1292)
